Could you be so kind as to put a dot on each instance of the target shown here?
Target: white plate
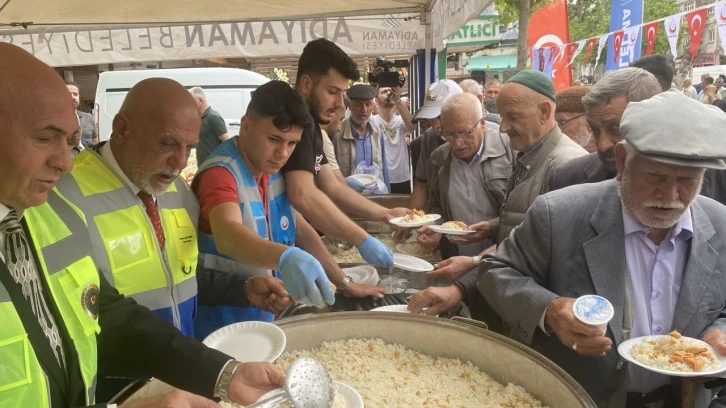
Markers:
(249, 341)
(402, 249)
(625, 348)
(431, 219)
(411, 263)
(352, 398)
(365, 275)
(437, 228)
(364, 179)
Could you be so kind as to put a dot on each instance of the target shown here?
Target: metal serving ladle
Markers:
(307, 385)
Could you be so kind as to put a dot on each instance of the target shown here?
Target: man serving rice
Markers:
(647, 242)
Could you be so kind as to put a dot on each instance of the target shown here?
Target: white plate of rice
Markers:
(673, 355)
(414, 220)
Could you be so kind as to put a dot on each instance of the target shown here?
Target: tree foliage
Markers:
(591, 18)
(513, 10)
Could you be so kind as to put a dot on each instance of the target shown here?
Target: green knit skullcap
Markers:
(535, 81)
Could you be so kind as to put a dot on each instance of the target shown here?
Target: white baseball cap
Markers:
(435, 97)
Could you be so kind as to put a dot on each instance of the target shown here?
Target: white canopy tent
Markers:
(89, 32)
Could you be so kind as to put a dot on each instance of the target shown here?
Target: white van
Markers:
(713, 70)
(228, 91)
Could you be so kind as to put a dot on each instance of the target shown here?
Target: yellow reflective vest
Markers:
(61, 241)
(125, 247)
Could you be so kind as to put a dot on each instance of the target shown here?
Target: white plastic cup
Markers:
(594, 310)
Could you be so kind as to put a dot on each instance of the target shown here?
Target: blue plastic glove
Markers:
(354, 184)
(375, 253)
(304, 278)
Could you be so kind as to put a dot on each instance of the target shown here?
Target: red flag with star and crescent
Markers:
(651, 34)
(696, 23)
(618, 41)
(590, 46)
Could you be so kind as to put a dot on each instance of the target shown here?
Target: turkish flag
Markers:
(570, 50)
(590, 46)
(548, 27)
(651, 34)
(696, 23)
(618, 41)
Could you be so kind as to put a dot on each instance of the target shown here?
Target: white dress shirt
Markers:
(4, 210)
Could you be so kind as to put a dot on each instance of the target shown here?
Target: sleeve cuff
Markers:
(542, 323)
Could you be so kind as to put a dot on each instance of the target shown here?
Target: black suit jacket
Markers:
(589, 169)
(133, 343)
(584, 169)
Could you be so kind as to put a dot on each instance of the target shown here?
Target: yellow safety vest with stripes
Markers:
(61, 241)
(125, 247)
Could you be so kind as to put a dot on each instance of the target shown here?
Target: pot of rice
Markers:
(399, 360)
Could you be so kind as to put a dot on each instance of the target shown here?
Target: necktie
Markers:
(20, 263)
(153, 214)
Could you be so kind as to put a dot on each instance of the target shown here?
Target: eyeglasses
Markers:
(462, 134)
(563, 122)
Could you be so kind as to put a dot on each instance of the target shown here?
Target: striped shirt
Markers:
(525, 160)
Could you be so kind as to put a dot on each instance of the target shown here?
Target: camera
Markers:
(388, 78)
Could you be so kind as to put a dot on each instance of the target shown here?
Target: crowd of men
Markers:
(112, 265)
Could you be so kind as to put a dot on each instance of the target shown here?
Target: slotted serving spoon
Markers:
(307, 385)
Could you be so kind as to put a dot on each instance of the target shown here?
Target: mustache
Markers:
(607, 155)
(656, 202)
(169, 173)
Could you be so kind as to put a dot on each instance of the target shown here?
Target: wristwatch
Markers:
(342, 285)
(225, 379)
(476, 260)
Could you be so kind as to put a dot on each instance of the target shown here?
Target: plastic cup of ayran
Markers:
(594, 310)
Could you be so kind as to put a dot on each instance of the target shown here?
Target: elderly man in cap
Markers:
(604, 105)
(468, 182)
(570, 116)
(651, 249)
(527, 107)
(432, 139)
(360, 146)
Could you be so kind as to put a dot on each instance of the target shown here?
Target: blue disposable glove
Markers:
(375, 253)
(304, 278)
(354, 184)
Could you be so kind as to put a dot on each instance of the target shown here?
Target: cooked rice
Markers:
(392, 376)
(415, 217)
(675, 353)
(454, 225)
(415, 249)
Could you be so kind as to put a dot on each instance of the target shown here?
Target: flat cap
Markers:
(535, 81)
(361, 92)
(570, 99)
(672, 128)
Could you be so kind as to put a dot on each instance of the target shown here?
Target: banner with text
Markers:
(376, 35)
(623, 15)
(720, 11)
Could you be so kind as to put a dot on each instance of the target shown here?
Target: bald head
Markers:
(154, 132)
(37, 116)
(472, 87)
(527, 116)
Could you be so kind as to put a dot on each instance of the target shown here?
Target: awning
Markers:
(84, 32)
(492, 62)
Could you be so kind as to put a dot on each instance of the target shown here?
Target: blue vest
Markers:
(280, 229)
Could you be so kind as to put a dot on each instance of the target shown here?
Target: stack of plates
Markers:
(366, 275)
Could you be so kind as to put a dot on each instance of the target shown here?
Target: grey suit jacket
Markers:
(571, 244)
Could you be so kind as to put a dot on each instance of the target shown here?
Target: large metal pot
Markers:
(502, 358)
